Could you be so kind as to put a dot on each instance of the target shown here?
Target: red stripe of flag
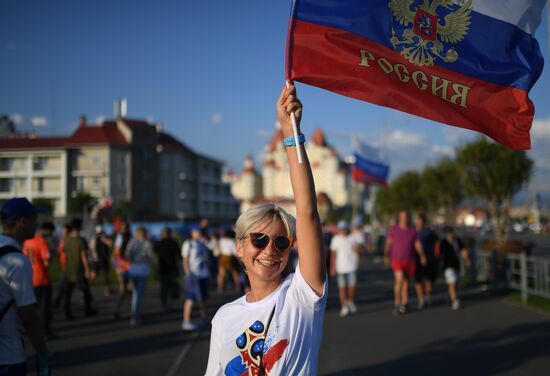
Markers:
(354, 66)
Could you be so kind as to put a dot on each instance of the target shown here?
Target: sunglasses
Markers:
(260, 241)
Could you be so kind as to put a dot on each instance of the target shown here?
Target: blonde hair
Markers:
(259, 214)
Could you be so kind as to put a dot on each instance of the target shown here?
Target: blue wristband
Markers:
(289, 141)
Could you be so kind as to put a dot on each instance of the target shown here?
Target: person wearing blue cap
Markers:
(18, 311)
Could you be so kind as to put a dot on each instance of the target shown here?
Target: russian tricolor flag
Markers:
(370, 166)
(465, 63)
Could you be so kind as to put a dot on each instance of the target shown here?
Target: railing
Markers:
(528, 274)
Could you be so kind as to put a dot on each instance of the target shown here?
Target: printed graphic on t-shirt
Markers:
(249, 346)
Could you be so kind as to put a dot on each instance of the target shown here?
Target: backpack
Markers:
(4, 251)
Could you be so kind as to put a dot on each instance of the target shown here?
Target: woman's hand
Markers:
(286, 104)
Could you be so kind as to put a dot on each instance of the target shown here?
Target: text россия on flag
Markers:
(469, 64)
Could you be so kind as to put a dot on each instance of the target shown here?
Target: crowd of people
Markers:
(416, 254)
(208, 258)
(281, 281)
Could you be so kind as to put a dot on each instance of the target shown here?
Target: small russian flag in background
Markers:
(370, 166)
(465, 63)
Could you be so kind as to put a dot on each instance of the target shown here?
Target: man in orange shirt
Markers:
(38, 251)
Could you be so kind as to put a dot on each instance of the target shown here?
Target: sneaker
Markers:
(421, 304)
(344, 311)
(455, 305)
(352, 308)
(428, 301)
(189, 326)
(395, 310)
(402, 309)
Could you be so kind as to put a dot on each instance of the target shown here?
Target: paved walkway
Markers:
(487, 337)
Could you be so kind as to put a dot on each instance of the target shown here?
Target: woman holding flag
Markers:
(276, 328)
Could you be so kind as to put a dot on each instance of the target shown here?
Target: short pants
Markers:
(407, 266)
(346, 279)
(451, 275)
(197, 288)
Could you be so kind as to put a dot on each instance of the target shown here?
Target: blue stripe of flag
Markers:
(374, 168)
(492, 50)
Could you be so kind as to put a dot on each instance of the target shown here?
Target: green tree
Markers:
(81, 202)
(45, 203)
(442, 187)
(494, 173)
(407, 192)
(385, 204)
(403, 193)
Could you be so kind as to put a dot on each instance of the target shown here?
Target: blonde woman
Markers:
(276, 328)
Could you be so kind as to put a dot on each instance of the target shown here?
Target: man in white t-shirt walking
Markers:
(344, 263)
(195, 268)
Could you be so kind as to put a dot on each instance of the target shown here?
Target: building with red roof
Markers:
(118, 161)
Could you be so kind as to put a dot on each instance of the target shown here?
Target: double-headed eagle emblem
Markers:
(425, 37)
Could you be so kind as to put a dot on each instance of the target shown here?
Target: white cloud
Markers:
(39, 121)
(400, 139)
(455, 134)
(540, 129)
(442, 150)
(216, 118)
(17, 118)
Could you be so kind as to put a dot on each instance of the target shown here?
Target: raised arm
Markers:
(308, 225)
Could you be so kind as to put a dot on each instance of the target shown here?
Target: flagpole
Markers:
(548, 24)
(295, 131)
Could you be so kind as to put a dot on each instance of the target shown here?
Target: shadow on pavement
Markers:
(489, 352)
(81, 356)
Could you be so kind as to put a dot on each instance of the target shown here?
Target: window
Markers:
(164, 162)
(40, 184)
(96, 160)
(6, 164)
(122, 181)
(145, 195)
(122, 161)
(39, 163)
(146, 175)
(5, 185)
(80, 186)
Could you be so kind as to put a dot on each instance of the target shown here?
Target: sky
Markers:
(210, 71)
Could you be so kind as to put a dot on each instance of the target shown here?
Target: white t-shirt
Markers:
(227, 247)
(15, 283)
(293, 338)
(346, 257)
(198, 257)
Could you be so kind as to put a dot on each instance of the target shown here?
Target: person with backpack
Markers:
(196, 276)
(18, 311)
